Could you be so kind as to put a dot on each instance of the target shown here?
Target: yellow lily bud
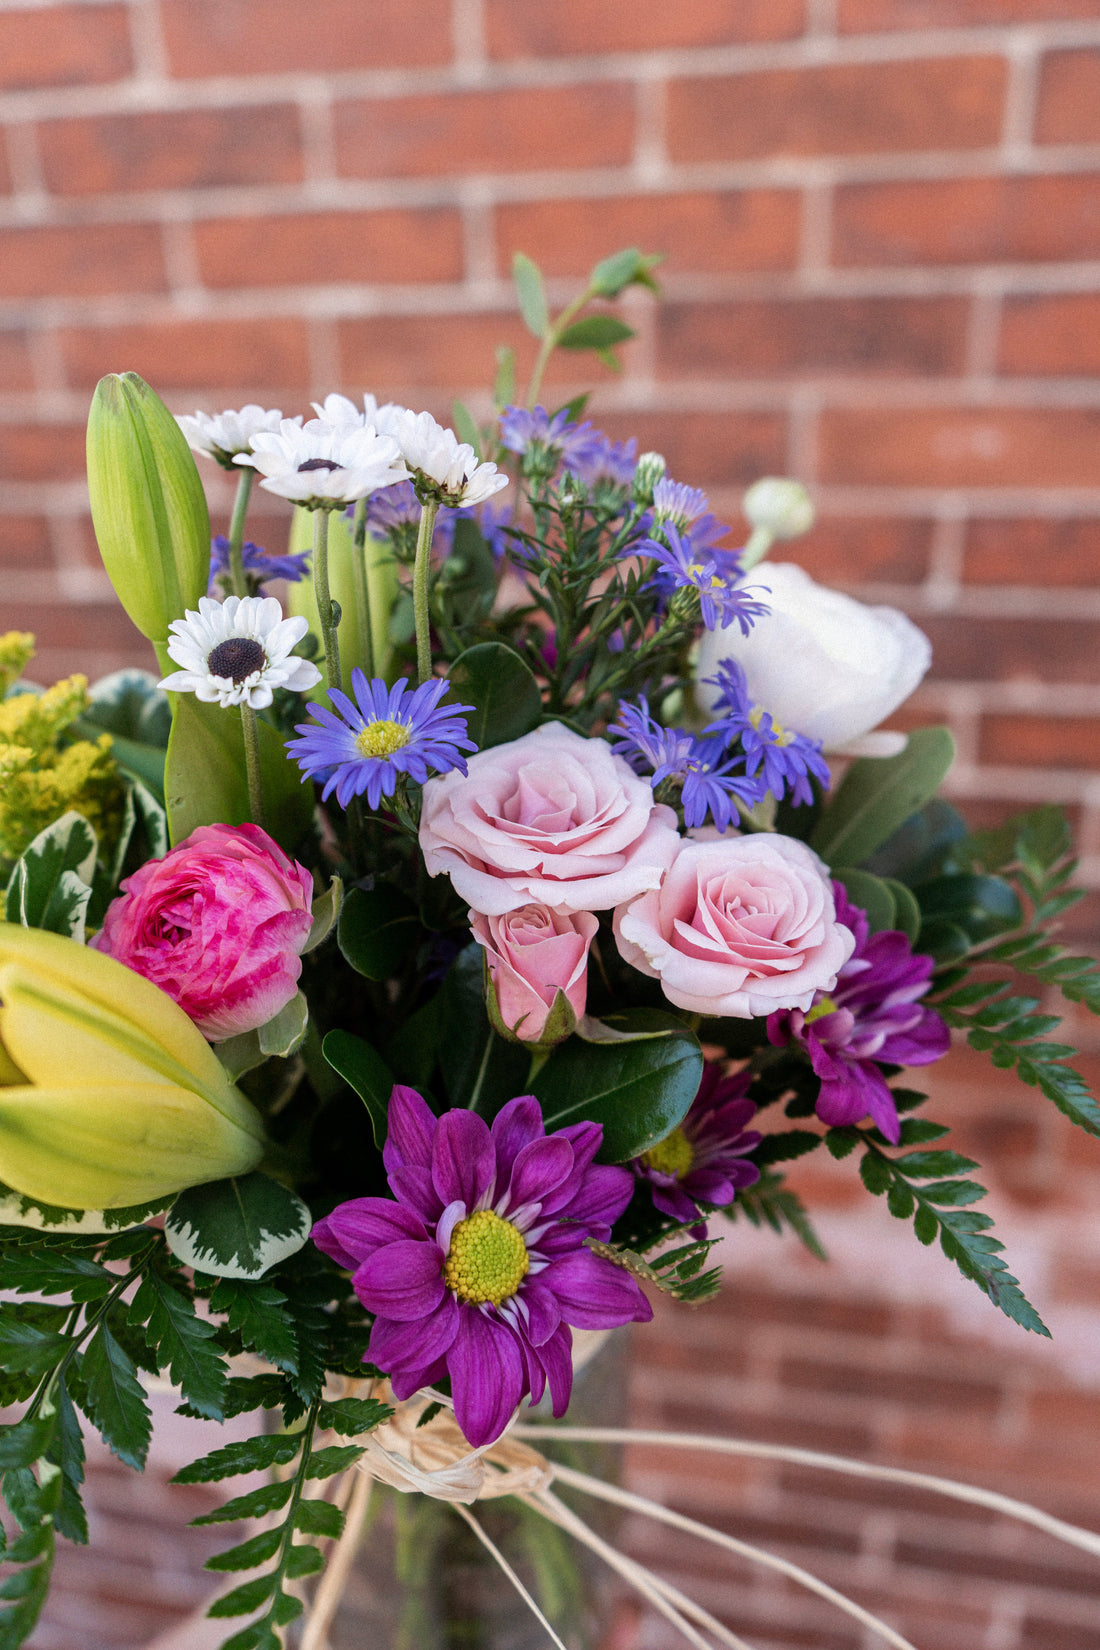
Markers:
(148, 506)
(109, 1095)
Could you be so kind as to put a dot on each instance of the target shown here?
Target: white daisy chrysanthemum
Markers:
(442, 465)
(229, 433)
(323, 465)
(237, 652)
(339, 410)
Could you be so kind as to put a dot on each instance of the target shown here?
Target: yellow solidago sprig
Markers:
(16, 653)
(43, 774)
(109, 1095)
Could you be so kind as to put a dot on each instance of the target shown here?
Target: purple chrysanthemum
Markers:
(259, 567)
(704, 1160)
(707, 779)
(871, 1015)
(386, 731)
(784, 761)
(680, 568)
(479, 1267)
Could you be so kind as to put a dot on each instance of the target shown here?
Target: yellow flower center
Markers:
(487, 1260)
(779, 733)
(674, 1155)
(696, 569)
(819, 1010)
(382, 738)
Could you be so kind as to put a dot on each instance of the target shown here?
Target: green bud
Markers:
(148, 506)
(650, 469)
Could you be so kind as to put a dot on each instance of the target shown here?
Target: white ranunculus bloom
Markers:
(822, 663)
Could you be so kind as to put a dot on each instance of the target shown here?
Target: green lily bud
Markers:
(109, 1095)
(148, 506)
(382, 585)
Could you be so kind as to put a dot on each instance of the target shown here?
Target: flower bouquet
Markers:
(436, 962)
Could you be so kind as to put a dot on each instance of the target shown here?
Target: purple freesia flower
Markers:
(704, 1160)
(871, 1015)
(479, 1267)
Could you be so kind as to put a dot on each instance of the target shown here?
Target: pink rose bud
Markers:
(538, 968)
(218, 924)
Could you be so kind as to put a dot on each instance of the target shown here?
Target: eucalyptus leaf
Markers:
(237, 1228)
(630, 267)
(639, 1091)
(598, 332)
(921, 845)
(873, 896)
(503, 691)
(51, 883)
(364, 1068)
(531, 292)
(480, 1069)
(377, 930)
(906, 909)
(980, 905)
(878, 794)
(465, 427)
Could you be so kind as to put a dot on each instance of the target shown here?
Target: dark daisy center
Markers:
(318, 464)
(237, 658)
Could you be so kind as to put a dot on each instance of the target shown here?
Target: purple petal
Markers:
(487, 1375)
(543, 1310)
(539, 1170)
(709, 1186)
(669, 1197)
(325, 1239)
(403, 1281)
(398, 1347)
(594, 1294)
(556, 1358)
(601, 1199)
(366, 1223)
(516, 1125)
(411, 1129)
(413, 1187)
(463, 1160)
(410, 1380)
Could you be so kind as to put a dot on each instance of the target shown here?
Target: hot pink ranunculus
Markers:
(533, 954)
(550, 819)
(739, 927)
(218, 924)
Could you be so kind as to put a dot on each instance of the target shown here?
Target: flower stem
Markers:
(760, 542)
(428, 512)
(326, 613)
(236, 530)
(362, 588)
(252, 765)
(550, 343)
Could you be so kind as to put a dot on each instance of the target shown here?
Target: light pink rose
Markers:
(218, 924)
(533, 954)
(550, 819)
(739, 927)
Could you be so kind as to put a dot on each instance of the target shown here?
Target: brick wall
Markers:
(882, 220)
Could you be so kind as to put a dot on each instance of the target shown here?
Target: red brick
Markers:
(1041, 741)
(758, 338)
(24, 543)
(1043, 1633)
(16, 370)
(960, 446)
(396, 355)
(1069, 97)
(172, 149)
(1006, 650)
(857, 15)
(317, 248)
(968, 220)
(853, 550)
(86, 626)
(41, 452)
(1047, 552)
(514, 130)
(711, 232)
(220, 37)
(80, 262)
(852, 1379)
(850, 108)
(530, 28)
(64, 45)
(5, 172)
(707, 449)
(245, 357)
(1057, 334)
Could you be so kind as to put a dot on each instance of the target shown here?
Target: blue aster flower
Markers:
(783, 761)
(707, 778)
(687, 509)
(607, 461)
(258, 565)
(679, 568)
(534, 431)
(364, 745)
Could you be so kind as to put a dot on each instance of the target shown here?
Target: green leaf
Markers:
(906, 910)
(466, 426)
(630, 267)
(245, 1598)
(364, 1068)
(466, 587)
(874, 1171)
(782, 1148)
(257, 1312)
(130, 706)
(878, 794)
(51, 883)
(205, 781)
(285, 1032)
(841, 1142)
(26, 1348)
(531, 292)
(303, 1560)
(114, 1399)
(503, 691)
(504, 384)
(318, 1518)
(873, 896)
(237, 1228)
(378, 929)
(325, 1463)
(270, 1449)
(639, 1091)
(326, 910)
(922, 846)
(184, 1342)
(598, 332)
(259, 1503)
(480, 1069)
(352, 1416)
(22, 1444)
(900, 1200)
(980, 905)
(249, 1553)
